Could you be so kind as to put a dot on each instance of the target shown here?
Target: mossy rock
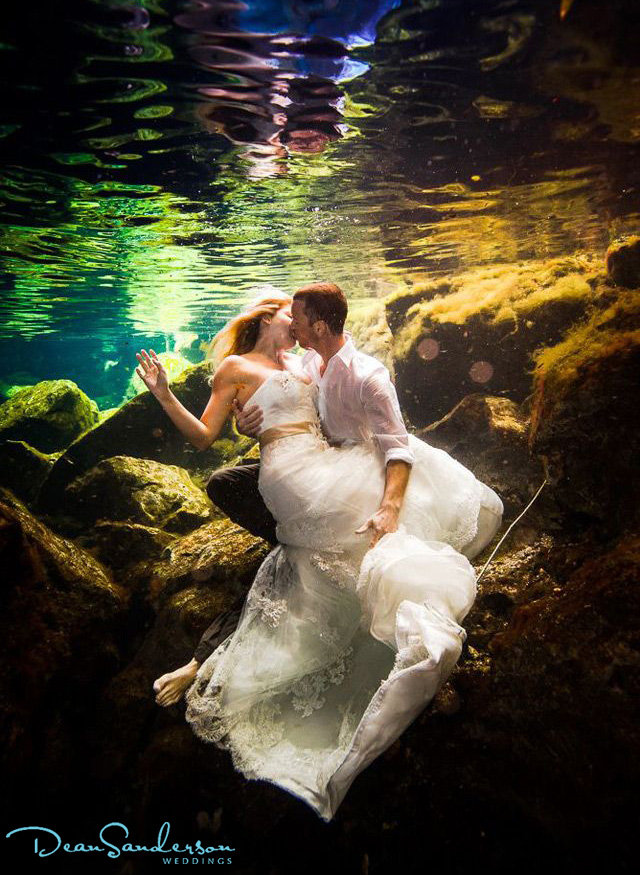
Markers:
(141, 429)
(121, 545)
(59, 627)
(123, 489)
(623, 262)
(489, 435)
(218, 555)
(24, 469)
(584, 416)
(48, 416)
(478, 331)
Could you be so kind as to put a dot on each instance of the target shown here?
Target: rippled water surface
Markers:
(161, 158)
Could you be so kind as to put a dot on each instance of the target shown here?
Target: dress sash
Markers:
(270, 435)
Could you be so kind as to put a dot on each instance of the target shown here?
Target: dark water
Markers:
(160, 159)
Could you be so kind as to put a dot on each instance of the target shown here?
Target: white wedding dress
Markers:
(339, 648)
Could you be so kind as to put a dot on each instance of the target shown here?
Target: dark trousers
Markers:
(235, 491)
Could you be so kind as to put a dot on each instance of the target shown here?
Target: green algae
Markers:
(499, 293)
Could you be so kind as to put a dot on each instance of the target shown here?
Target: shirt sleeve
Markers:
(384, 418)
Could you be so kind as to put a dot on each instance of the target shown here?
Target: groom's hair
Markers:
(324, 301)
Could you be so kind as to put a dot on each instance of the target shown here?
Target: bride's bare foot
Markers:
(170, 687)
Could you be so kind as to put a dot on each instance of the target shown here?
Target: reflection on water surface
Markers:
(162, 158)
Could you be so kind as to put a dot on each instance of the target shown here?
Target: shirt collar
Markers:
(345, 353)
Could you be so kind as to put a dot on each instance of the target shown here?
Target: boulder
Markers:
(623, 262)
(48, 416)
(197, 578)
(59, 630)
(127, 711)
(141, 429)
(219, 555)
(23, 469)
(371, 334)
(123, 489)
(121, 545)
(478, 331)
(489, 436)
(584, 415)
(562, 702)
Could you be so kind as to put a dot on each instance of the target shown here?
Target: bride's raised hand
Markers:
(152, 373)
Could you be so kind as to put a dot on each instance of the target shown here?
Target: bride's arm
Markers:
(200, 432)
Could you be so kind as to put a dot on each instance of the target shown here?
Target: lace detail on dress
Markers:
(467, 512)
(306, 693)
(274, 576)
(313, 531)
(342, 572)
(271, 609)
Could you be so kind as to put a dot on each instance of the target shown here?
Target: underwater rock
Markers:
(119, 545)
(128, 711)
(623, 262)
(130, 490)
(48, 416)
(24, 469)
(478, 330)
(562, 697)
(370, 331)
(219, 554)
(141, 428)
(518, 575)
(489, 435)
(55, 598)
(105, 414)
(203, 574)
(585, 415)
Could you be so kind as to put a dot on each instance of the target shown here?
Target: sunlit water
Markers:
(161, 159)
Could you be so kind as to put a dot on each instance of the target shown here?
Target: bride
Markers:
(340, 644)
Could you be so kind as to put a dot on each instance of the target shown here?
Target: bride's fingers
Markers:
(145, 362)
(147, 358)
(141, 370)
(364, 527)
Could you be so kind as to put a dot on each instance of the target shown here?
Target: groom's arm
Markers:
(385, 519)
(384, 419)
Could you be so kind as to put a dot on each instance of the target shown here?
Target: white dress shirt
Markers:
(357, 401)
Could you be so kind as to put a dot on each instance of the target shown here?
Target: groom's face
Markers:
(301, 329)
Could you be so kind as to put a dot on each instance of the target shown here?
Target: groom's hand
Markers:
(249, 420)
(384, 520)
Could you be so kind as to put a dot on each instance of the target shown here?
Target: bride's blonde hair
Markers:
(240, 334)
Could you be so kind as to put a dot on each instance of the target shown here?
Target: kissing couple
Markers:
(352, 623)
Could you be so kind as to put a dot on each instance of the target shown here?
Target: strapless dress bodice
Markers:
(284, 399)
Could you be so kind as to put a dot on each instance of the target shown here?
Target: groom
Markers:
(356, 402)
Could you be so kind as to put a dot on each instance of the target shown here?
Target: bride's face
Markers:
(279, 328)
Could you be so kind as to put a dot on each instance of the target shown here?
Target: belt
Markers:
(270, 435)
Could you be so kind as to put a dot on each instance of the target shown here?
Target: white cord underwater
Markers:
(516, 520)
